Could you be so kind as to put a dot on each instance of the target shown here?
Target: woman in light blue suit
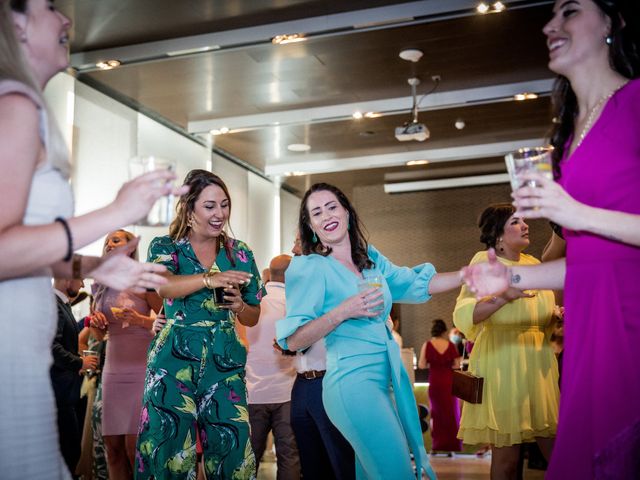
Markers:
(363, 361)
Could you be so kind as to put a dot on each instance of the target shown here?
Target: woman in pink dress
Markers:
(594, 47)
(441, 356)
(126, 316)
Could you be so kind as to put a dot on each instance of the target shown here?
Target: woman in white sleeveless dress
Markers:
(35, 241)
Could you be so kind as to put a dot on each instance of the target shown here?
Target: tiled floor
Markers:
(459, 467)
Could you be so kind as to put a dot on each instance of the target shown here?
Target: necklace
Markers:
(594, 110)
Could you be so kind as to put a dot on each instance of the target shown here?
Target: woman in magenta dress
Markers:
(127, 317)
(441, 356)
(594, 45)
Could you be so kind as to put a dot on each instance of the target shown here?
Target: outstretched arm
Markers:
(20, 155)
(443, 282)
(493, 277)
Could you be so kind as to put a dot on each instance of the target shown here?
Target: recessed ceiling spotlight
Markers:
(459, 124)
(357, 115)
(108, 64)
(373, 114)
(498, 7)
(219, 131)
(412, 163)
(288, 38)
(482, 8)
(411, 54)
(525, 96)
(298, 147)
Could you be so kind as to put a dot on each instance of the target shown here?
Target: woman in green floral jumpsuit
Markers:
(196, 365)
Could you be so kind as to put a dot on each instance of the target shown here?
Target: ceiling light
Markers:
(189, 51)
(459, 124)
(357, 115)
(443, 183)
(412, 163)
(294, 174)
(219, 131)
(482, 8)
(525, 96)
(373, 114)
(108, 64)
(298, 147)
(498, 7)
(288, 38)
(411, 54)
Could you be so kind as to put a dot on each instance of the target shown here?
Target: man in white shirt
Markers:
(324, 453)
(270, 376)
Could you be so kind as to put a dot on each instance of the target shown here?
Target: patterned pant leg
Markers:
(99, 452)
(223, 413)
(166, 447)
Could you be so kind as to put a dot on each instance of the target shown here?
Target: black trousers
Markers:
(324, 453)
(70, 435)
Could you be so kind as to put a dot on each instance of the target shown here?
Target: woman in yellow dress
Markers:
(511, 352)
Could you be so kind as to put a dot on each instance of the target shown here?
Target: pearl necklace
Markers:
(594, 110)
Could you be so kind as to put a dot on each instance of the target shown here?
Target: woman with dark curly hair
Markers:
(442, 357)
(196, 364)
(363, 360)
(512, 352)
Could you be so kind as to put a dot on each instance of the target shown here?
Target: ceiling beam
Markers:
(421, 11)
(388, 106)
(442, 183)
(401, 158)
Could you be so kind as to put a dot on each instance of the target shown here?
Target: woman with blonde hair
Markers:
(38, 234)
(127, 317)
(196, 363)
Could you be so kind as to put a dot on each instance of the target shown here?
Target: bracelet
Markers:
(76, 267)
(244, 305)
(67, 230)
(207, 280)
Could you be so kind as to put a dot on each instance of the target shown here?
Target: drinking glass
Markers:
(162, 212)
(528, 160)
(90, 353)
(369, 282)
(117, 311)
(218, 297)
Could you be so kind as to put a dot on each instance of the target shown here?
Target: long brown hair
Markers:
(359, 245)
(624, 58)
(198, 180)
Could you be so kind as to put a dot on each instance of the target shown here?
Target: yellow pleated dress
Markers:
(512, 352)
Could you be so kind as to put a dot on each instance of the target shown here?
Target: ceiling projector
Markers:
(412, 131)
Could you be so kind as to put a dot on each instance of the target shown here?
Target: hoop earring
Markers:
(314, 239)
(608, 40)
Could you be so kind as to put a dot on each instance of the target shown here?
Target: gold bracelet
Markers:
(76, 267)
(244, 306)
(207, 280)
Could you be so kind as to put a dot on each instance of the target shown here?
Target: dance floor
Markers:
(458, 467)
